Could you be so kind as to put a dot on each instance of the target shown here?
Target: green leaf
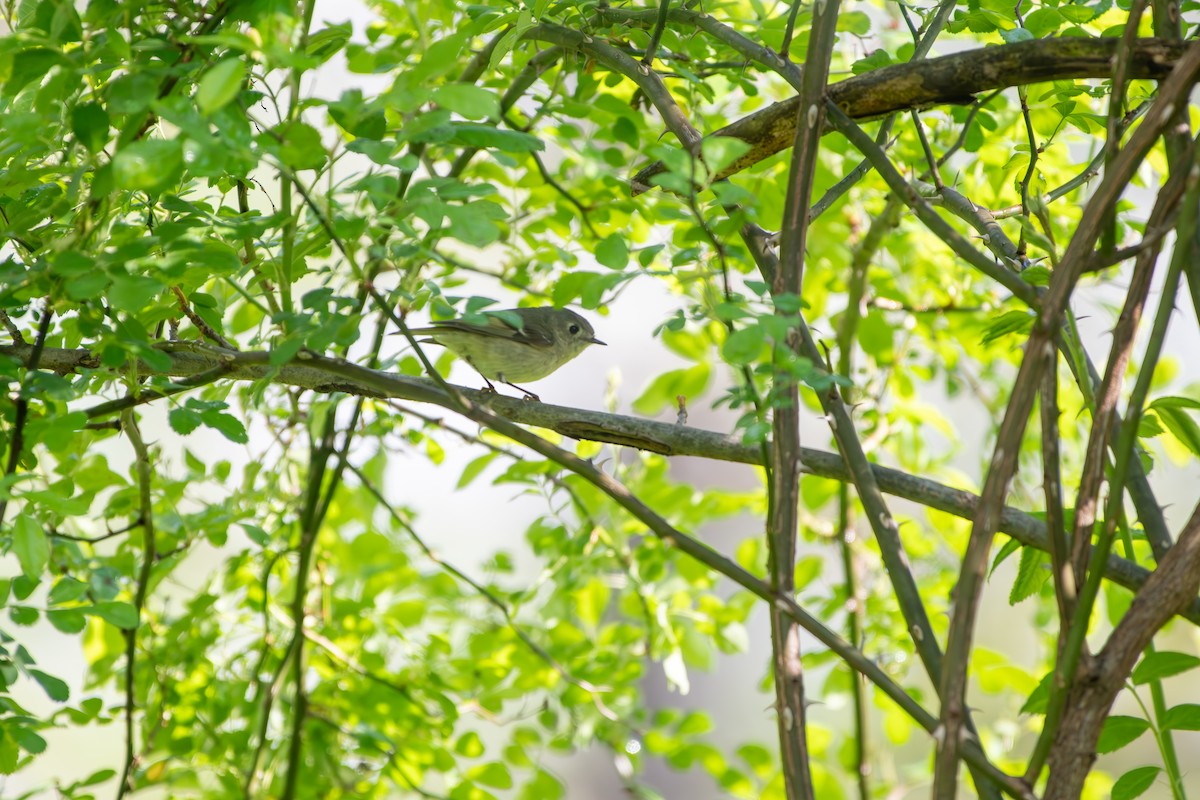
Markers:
(1149, 426)
(183, 420)
(469, 745)
(54, 688)
(1180, 423)
(325, 43)
(31, 64)
(28, 740)
(220, 85)
(229, 426)
(23, 615)
(1134, 783)
(1037, 275)
(122, 615)
(298, 145)
(492, 774)
(1009, 547)
(721, 151)
(132, 94)
(878, 59)
(590, 602)
(1183, 717)
(1172, 401)
(66, 590)
(1042, 22)
(90, 123)
(613, 252)
(1019, 321)
(67, 620)
(744, 346)
(10, 754)
(877, 336)
(473, 469)
(664, 390)
(543, 786)
(468, 100)
(148, 164)
(30, 545)
(507, 41)
(855, 22)
(1077, 14)
(133, 292)
(1163, 664)
(1119, 731)
(476, 134)
(1032, 574)
(675, 671)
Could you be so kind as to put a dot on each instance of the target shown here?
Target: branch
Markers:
(1172, 585)
(1041, 343)
(591, 689)
(649, 81)
(328, 375)
(742, 45)
(953, 79)
(150, 395)
(142, 465)
(783, 514)
(723, 565)
(16, 439)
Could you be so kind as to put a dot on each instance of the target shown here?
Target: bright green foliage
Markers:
(175, 174)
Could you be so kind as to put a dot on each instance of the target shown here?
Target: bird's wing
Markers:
(496, 326)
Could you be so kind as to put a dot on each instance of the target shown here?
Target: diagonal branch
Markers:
(1172, 585)
(649, 81)
(1173, 91)
(783, 513)
(953, 79)
(327, 375)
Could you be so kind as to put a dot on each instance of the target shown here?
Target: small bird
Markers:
(499, 350)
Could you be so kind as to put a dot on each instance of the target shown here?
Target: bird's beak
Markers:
(594, 340)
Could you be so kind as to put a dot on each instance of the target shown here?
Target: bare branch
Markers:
(953, 79)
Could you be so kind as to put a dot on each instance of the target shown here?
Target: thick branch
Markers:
(323, 374)
(953, 79)
(1174, 583)
(1173, 91)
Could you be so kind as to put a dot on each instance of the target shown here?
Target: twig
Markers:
(93, 539)
(309, 526)
(149, 556)
(953, 79)
(929, 159)
(326, 374)
(16, 438)
(783, 507)
(150, 395)
(660, 25)
(647, 80)
(1004, 461)
(594, 691)
(11, 327)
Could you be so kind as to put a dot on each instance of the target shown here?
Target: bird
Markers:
(514, 345)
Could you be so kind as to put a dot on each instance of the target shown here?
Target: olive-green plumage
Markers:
(499, 350)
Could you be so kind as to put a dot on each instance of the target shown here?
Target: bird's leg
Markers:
(528, 394)
(491, 389)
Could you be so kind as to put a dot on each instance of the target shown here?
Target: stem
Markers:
(149, 556)
(16, 440)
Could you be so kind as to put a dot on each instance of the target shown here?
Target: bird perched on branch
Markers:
(514, 345)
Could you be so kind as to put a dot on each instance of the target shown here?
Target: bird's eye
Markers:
(573, 329)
